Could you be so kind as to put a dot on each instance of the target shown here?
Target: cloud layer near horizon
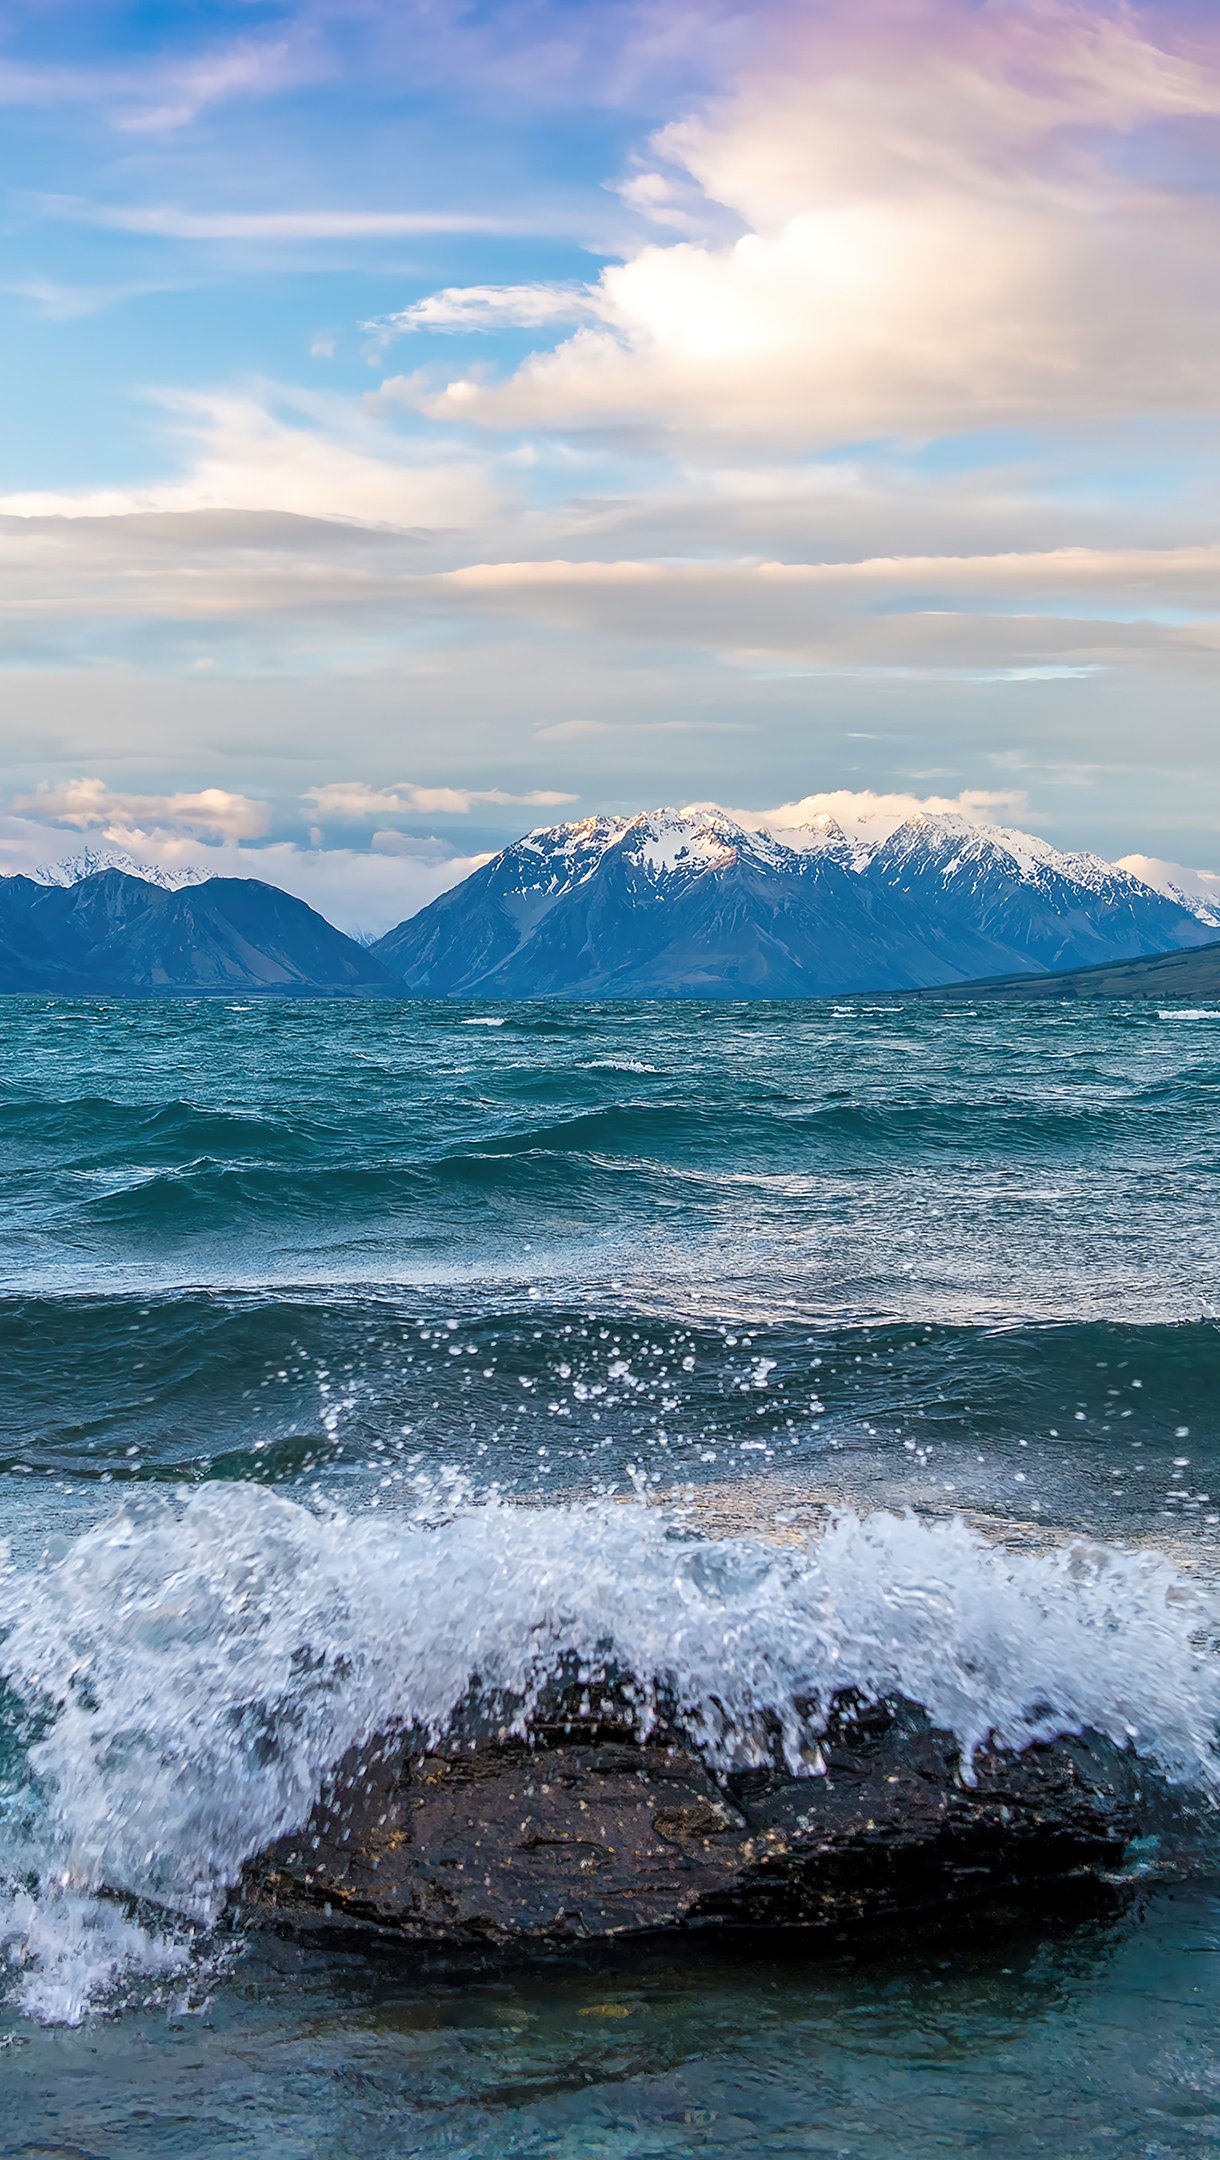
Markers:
(366, 891)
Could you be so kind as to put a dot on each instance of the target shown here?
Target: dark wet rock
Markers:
(588, 1833)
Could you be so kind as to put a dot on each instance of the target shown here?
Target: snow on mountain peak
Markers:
(669, 846)
(74, 868)
(664, 844)
(967, 841)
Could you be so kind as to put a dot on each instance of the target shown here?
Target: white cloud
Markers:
(1152, 574)
(664, 200)
(1005, 612)
(866, 815)
(625, 730)
(242, 455)
(309, 589)
(168, 221)
(352, 799)
(945, 229)
(57, 302)
(490, 307)
(313, 587)
(362, 892)
(163, 96)
(128, 820)
(1174, 878)
(249, 67)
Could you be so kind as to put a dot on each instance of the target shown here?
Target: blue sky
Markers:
(423, 421)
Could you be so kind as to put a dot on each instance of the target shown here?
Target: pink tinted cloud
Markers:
(946, 225)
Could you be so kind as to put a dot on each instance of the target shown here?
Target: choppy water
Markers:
(298, 1302)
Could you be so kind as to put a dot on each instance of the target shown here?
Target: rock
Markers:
(586, 1832)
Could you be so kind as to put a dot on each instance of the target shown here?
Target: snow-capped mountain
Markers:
(109, 934)
(695, 903)
(87, 864)
(990, 899)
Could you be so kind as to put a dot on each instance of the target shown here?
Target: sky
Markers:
(423, 421)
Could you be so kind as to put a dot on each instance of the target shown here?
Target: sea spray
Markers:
(194, 1669)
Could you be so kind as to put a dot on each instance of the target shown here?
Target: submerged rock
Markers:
(585, 1831)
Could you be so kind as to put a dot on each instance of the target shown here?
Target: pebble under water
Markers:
(350, 1351)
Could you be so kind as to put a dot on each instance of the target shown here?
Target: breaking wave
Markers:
(186, 1674)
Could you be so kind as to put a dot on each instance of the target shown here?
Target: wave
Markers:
(547, 1395)
(96, 1130)
(264, 1383)
(749, 1121)
(186, 1675)
(607, 1157)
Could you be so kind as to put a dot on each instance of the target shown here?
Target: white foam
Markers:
(1191, 1012)
(202, 1663)
(618, 1064)
(499, 1020)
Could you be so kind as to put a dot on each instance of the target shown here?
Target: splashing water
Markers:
(193, 1670)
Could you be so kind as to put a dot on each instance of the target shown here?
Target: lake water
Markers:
(299, 1299)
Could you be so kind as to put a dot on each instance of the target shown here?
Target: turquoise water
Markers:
(298, 1300)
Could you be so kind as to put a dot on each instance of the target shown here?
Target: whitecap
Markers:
(618, 1064)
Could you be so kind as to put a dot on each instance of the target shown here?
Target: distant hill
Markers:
(695, 904)
(1161, 975)
(112, 934)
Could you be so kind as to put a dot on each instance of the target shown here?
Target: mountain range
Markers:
(112, 934)
(696, 903)
(670, 903)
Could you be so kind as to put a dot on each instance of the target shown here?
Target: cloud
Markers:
(334, 463)
(126, 819)
(352, 799)
(1174, 878)
(1150, 573)
(490, 307)
(1062, 608)
(955, 217)
(625, 731)
(57, 302)
(166, 221)
(249, 67)
(549, 53)
(163, 95)
(291, 580)
(663, 200)
(363, 892)
(305, 585)
(866, 815)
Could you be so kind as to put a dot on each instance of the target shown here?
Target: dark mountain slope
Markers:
(721, 913)
(694, 904)
(979, 891)
(114, 935)
(1158, 975)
